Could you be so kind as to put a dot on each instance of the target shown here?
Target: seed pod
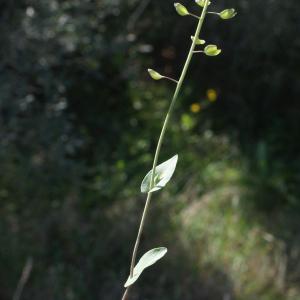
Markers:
(181, 10)
(228, 14)
(212, 50)
(155, 75)
(198, 41)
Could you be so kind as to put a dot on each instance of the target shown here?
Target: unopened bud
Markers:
(155, 75)
(181, 10)
(228, 14)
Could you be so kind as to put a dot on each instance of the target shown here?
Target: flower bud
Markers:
(198, 41)
(228, 14)
(155, 75)
(202, 2)
(212, 50)
(181, 10)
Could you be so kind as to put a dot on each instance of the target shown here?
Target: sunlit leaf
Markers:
(147, 260)
(163, 174)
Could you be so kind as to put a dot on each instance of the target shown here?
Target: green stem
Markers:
(172, 79)
(213, 13)
(192, 15)
(161, 138)
(126, 293)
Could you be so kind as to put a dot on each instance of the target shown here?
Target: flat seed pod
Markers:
(228, 14)
(212, 50)
(198, 41)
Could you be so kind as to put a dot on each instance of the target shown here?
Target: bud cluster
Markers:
(209, 50)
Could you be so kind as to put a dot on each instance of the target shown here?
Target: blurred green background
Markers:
(79, 121)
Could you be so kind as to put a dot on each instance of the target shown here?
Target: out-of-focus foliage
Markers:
(79, 119)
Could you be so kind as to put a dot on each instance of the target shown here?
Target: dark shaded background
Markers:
(79, 121)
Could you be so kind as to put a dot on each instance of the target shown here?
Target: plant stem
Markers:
(192, 15)
(126, 293)
(161, 138)
(213, 13)
(169, 78)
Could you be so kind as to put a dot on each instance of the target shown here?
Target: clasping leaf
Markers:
(163, 174)
(147, 260)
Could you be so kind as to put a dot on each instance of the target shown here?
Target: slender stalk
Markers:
(161, 138)
(125, 294)
(172, 79)
(192, 15)
(213, 13)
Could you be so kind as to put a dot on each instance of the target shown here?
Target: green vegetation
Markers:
(79, 121)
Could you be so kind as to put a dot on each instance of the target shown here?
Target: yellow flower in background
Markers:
(212, 95)
(195, 108)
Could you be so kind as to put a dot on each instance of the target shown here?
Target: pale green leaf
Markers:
(147, 260)
(163, 174)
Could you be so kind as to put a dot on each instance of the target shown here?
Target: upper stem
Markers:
(161, 138)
